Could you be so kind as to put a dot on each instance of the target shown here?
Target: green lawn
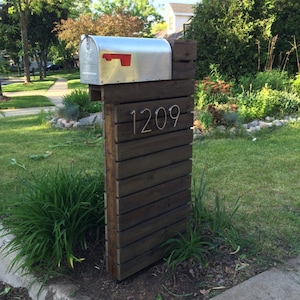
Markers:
(75, 84)
(35, 85)
(25, 135)
(25, 102)
(265, 172)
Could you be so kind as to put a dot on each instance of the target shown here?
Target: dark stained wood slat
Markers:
(138, 216)
(184, 70)
(125, 132)
(146, 259)
(153, 161)
(151, 241)
(184, 50)
(152, 194)
(153, 144)
(143, 181)
(153, 225)
(124, 111)
(152, 90)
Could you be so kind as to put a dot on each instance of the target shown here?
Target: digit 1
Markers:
(133, 113)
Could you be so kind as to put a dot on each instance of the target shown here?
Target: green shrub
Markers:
(201, 97)
(249, 107)
(278, 103)
(53, 219)
(296, 84)
(289, 102)
(206, 119)
(273, 79)
(267, 102)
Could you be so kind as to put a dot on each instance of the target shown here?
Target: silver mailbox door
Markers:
(89, 61)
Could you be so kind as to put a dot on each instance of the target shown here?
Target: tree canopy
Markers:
(144, 10)
(122, 24)
(24, 11)
(238, 35)
(111, 18)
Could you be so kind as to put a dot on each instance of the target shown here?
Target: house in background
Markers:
(178, 14)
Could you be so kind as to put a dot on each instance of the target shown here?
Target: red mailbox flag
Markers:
(124, 58)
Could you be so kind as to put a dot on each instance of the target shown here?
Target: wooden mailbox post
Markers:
(148, 151)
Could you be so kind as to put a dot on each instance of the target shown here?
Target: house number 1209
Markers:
(161, 116)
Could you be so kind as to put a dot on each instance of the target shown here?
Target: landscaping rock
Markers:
(96, 118)
(277, 123)
(91, 120)
(251, 127)
(263, 124)
(221, 128)
(253, 124)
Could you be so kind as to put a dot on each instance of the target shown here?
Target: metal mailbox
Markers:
(109, 60)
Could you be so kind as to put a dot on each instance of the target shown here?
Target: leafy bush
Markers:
(267, 102)
(289, 102)
(273, 79)
(296, 84)
(57, 212)
(204, 120)
(249, 106)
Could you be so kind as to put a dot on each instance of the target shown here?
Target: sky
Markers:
(165, 3)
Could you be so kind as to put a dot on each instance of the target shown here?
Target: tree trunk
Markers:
(1, 93)
(25, 45)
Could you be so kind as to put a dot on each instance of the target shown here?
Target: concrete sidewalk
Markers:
(280, 283)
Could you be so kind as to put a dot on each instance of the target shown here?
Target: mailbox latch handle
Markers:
(124, 58)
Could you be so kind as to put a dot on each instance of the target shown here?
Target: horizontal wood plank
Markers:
(153, 144)
(124, 111)
(184, 70)
(141, 262)
(138, 216)
(153, 161)
(143, 91)
(141, 129)
(184, 50)
(151, 241)
(143, 181)
(152, 194)
(153, 225)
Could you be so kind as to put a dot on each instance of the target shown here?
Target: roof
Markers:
(182, 8)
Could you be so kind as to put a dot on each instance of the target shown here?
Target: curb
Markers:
(62, 290)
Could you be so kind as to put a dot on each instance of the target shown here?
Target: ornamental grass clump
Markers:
(58, 211)
(207, 229)
(78, 101)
